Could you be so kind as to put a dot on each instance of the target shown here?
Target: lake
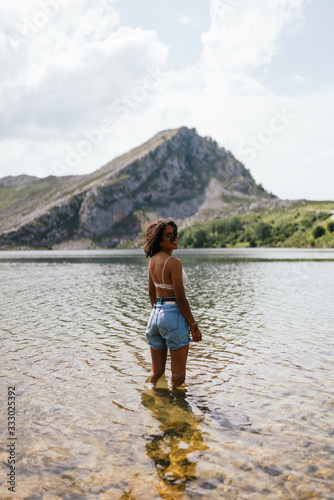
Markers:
(255, 419)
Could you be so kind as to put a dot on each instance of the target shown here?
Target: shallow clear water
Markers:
(255, 419)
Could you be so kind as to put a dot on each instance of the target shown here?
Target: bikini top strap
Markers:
(163, 270)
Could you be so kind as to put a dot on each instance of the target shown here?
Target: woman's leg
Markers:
(158, 364)
(178, 365)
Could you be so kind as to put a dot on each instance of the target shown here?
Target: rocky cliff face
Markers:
(177, 174)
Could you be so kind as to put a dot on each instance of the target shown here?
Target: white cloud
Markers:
(220, 97)
(298, 78)
(69, 72)
(65, 79)
(185, 19)
(244, 34)
(322, 156)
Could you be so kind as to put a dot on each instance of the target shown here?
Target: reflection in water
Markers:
(174, 451)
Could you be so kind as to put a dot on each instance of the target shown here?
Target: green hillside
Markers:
(305, 224)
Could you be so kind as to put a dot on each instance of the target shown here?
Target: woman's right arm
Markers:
(151, 289)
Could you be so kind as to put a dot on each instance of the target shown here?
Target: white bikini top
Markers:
(169, 286)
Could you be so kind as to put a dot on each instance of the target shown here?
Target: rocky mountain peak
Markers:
(177, 174)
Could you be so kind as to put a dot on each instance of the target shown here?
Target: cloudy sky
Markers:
(84, 81)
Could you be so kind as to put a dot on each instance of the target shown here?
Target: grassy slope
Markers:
(288, 227)
(305, 218)
(18, 202)
(10, 196)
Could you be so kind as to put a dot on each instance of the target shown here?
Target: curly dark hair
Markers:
(153, 235)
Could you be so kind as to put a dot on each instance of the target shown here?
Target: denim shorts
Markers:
(167, 327)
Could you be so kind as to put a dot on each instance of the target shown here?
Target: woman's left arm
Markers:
(176, 272)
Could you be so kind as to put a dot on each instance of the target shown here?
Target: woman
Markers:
(171, 318)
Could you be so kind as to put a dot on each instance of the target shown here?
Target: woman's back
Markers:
(160, 271)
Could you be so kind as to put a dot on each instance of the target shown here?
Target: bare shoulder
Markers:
(152, 261)
(176, 263)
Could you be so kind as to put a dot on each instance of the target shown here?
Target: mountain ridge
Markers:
(176, 173)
